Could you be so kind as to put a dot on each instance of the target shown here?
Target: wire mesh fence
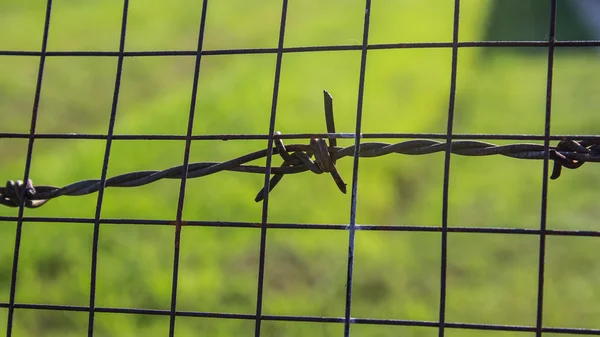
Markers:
(319, 156)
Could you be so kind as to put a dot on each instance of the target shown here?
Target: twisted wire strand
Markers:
(297, 158)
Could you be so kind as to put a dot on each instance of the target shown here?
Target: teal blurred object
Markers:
(514, 20)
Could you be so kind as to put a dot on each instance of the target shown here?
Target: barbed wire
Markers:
(298, 158)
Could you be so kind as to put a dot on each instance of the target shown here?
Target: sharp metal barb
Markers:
(329, 117)
(330, 123)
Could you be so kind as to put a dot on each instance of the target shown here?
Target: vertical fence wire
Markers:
(357, 138)
(268, 164)
(186, 160)
(544, 196)
(34, 116)
(111, 127)
(446, 186)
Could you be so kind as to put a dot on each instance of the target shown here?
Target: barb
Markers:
(318, 147)
(298, 158)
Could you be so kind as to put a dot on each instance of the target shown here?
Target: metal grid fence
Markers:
(272, 138)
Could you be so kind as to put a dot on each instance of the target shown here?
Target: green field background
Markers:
(491, 279)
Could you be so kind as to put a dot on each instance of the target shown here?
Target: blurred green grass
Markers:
(492, 278)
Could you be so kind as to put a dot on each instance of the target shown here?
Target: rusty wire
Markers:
(298, 158)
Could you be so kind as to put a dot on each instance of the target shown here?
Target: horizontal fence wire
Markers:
(308, 319)
(304, 49)
(306, 226)
(224, 137)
